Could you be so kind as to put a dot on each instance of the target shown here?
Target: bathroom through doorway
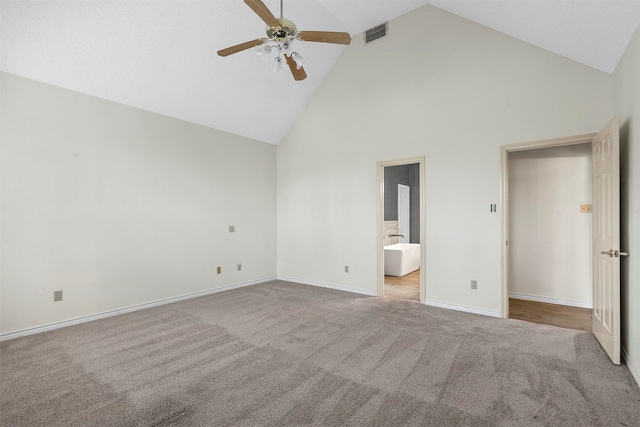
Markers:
(401, 229)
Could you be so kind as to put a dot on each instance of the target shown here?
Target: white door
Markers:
(606, 239)
(404, 209)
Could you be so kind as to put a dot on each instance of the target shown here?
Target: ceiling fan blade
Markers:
(263, 12)
(325, 37)
(298, 74)
(240, 47)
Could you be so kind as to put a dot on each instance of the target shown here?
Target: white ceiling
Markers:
(161, 55)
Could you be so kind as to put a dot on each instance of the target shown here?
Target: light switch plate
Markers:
(585, 208)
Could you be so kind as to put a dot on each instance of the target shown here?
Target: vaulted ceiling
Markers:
(161, 55)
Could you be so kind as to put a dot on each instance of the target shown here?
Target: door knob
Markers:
(614, 253)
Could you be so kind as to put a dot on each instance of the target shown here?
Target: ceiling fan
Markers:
(281, 33)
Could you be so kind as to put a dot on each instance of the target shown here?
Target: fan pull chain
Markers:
(281, 17)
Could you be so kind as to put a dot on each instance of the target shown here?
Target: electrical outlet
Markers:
(232, 229)
(585, 208)
(346, 268)
(57, 296)
(239, 267)
(219, 270)
(474, 284)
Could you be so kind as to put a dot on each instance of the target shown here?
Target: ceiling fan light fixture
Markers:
(298, 59)
(281, 33)
(277, 65)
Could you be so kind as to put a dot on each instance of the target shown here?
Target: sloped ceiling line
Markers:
(160, 55)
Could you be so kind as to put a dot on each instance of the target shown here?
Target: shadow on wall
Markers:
(406, 175)
(624, 225)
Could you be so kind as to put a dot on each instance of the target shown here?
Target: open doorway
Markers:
(401, 230)
(548, 198)
(606, 252)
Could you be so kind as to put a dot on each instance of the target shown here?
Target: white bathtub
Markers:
(401, 259)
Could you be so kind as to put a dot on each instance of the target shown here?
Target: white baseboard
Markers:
(327, 285)
(558, 301)
(635, 371)
(464, 308)
(83, 319)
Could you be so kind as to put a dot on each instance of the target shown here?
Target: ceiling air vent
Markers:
(375, 33)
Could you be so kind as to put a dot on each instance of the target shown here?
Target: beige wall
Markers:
(626, 98)
(117, 206)
(439, 86)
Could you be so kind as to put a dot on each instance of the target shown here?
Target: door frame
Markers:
(504, 200)
(380, 222)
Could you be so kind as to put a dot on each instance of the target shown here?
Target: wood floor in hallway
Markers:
(406, 287)
(550, 314)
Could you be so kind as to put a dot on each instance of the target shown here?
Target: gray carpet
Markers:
(283, 354)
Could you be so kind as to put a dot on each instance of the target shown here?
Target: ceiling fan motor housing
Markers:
(285, 31)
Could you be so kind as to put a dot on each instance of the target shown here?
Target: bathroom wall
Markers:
(405, 175)
(414, 196)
